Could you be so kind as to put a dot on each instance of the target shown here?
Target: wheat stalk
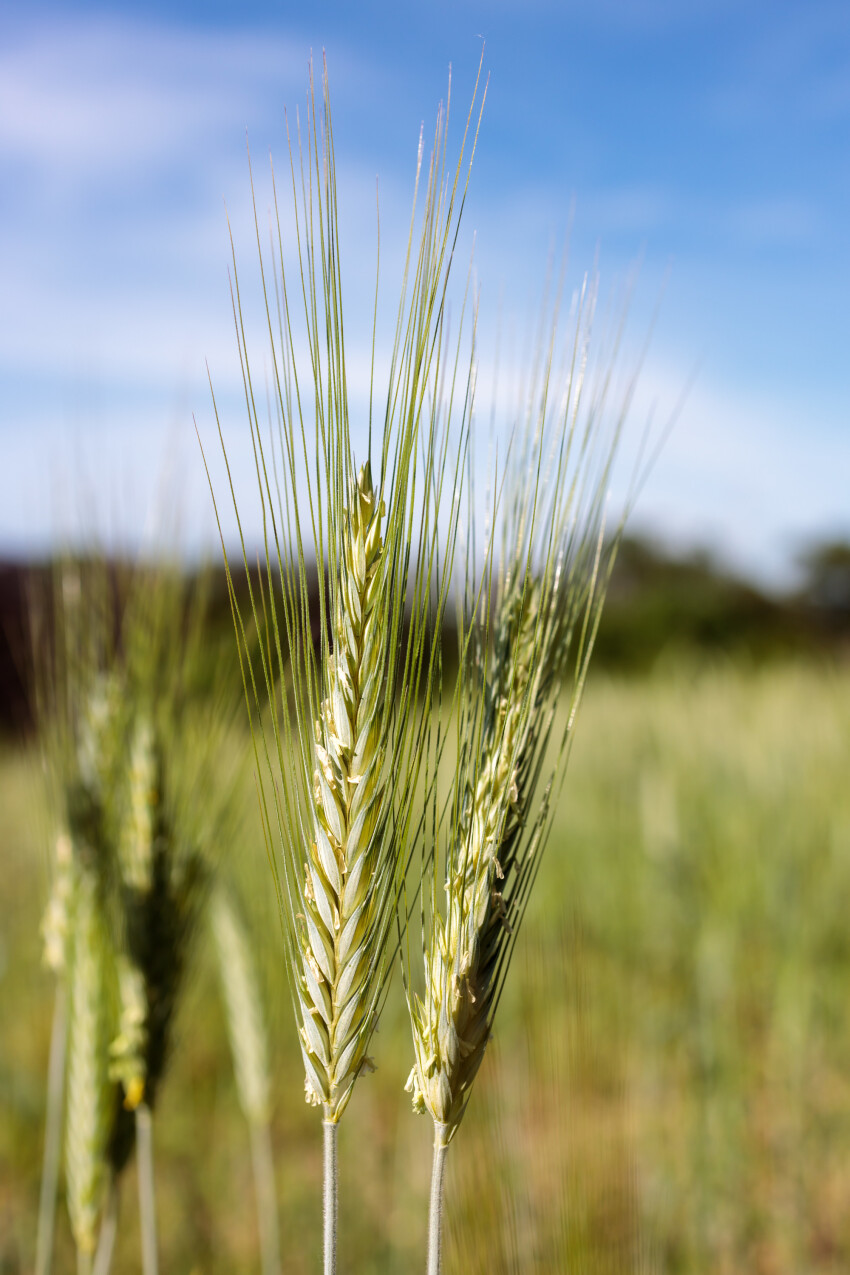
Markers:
(246, 1029)
(339, 756)
(56, 931)
(136, 864)
(135, 844)
(52, 1132)
(76, 760)
(86, 761)
(161, 889)
(518, 650)
(112, 694)
(57, 935)
(87, 1121)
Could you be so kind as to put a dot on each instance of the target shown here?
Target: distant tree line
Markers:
(659, 604)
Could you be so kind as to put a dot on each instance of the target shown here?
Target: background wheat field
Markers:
(669, 1087)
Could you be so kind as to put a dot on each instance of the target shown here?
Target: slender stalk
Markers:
(108, 1231)
(147, 1202)
(435, 1215)
(83, 1262)
(52, 1132)
(261, 1154)
(330, 1197)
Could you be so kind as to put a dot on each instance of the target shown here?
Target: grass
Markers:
(679, 998)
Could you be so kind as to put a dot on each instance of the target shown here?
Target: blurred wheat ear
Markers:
(162, 888)
(526, 640)
(129, 873)
(81, 747)
(87, 1123)
(338, 723)
(249, 1047)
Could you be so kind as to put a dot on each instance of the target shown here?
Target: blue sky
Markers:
(708, 140)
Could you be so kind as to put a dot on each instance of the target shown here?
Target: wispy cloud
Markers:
(774, 222)
(119, 141)
(743, 472)
(102, 98)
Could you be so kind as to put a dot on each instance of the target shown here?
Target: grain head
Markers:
(527, 633)
(88, 1089)
(338, 722)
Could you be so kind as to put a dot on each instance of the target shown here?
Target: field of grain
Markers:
(669, 1087)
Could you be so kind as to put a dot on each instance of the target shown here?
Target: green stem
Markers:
(264, 1184)
(330, 1196)
(52, 1133)
(108, 1231)
(147, 1199)
(435, 1215)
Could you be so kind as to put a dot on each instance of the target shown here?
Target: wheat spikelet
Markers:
(135, 846)
(339, 938)
(128, 1051)
(87, 1120)
(57, 921)
(246, 1025)
(451, 1027)
(95, 732)
(160, 889)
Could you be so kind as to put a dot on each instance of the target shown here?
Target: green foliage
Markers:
(661, 604)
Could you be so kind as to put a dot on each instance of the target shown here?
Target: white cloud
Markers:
(750, 473)
(774, 222)
(103, 97)
(118, 143)
(747, 473)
